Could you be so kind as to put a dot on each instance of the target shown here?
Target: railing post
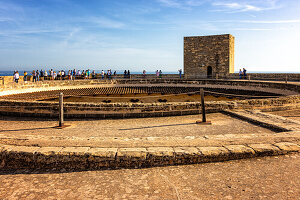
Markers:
(203, 105)
(61, 110)
(203, 122)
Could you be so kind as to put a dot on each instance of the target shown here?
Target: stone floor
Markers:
(257, 178)
(177, 126)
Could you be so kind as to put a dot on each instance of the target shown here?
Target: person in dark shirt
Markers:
(244, 73)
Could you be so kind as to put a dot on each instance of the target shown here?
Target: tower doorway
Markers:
(209, 72)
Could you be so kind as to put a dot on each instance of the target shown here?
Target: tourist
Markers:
(245, 73)
(93, 74)
(42, 75)
(46, 75)
(54, 75)
(180, 73)
(69, 75)
(16, 76)
(240, 74)
(128, 74)
(144, 73)
(102, 74)
(51, 74)
(63, 74)
(160, 74)
(125, 73)
(25, 77)
(115, 74)
(37, 75)
(157, 73)
(33, 76)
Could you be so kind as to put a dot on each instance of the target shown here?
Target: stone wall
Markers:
(269, 76)
(208, 56)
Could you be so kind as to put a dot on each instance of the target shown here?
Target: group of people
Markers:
(158, 74)
(60, 75)
(243, 74)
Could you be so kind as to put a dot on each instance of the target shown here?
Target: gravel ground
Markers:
(140, 127)
(258, 178)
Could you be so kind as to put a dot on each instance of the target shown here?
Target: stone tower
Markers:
(208, 56)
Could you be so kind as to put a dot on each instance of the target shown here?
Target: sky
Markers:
(145, 34)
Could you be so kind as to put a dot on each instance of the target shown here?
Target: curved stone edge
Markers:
(87, 158)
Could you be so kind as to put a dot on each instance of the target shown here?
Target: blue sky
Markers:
(145, 34)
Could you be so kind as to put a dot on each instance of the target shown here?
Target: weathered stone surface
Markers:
(22, 149)
(49, 150)
(160, 151)
(186, 155)
(265, 149)
(132, 153)
(109, 153)
(288, 147)
(159, 156)
(214, 152)
(73, 150)
(240, 151)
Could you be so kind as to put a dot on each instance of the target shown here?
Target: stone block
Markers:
(212, 154)
(47, 151)
(159, 156)
(102, 158)
(186, 155)
(108, 153)
(240, 151)
(131, 158)
(265, 149)
(287, 147)
(73, 151)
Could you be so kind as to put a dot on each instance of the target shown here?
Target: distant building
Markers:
(208, 56)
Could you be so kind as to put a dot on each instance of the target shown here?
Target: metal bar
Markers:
(61, 110)
(203, 105)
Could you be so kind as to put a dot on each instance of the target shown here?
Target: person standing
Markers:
(157, 73)
(34, 76)
(240, 74)
(102, 74)
(25, 76)
(180, 73)
(125, 73)
(37, 75)
(245, 73)
(144, 73)
(16, 77)
(128, 74)
(52, 74)
(160, 74)
(46, 75)
(42, 75)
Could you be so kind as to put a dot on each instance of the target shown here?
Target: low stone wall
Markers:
(86, 158)
(137, 110)
(270, 76)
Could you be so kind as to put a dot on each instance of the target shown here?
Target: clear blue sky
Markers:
(145, 34)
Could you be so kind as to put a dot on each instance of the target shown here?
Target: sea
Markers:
(21, 72)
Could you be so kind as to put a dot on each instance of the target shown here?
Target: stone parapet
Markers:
(86, 158)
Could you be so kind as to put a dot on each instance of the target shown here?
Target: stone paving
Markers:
(267, 178)
(71, 148)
